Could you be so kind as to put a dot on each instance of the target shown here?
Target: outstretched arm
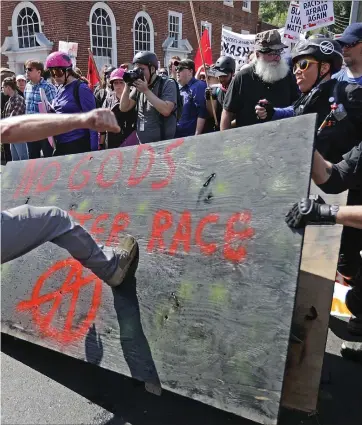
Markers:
(29, 128)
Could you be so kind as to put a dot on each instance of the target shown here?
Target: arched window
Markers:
(103, 34)
(25, 23)
(143, 33)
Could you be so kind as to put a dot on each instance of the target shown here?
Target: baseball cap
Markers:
(351, 34)
(20, 77)
(187, 63)
(269, 40)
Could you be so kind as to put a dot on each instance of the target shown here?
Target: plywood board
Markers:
(315, 290)
(209, 312)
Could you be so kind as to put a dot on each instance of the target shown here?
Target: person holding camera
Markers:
(154, 97)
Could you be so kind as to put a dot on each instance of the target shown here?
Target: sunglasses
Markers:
(57, 72)
(176, 63)
(163, 73)
(302, 65)
(271, 52)
(28, 69)
(181, 68)
(350, 46)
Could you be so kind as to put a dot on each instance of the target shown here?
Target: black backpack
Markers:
(179, 104)
(77, 97)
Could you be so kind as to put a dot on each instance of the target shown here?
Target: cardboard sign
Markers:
(71, 49)
(236, 45)
(316, 14)
(293, 25)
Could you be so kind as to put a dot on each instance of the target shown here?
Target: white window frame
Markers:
(152, 31)
(179, 16)
(208, 26)
(227, 27)
(104, 6)
(248, 7)
(14, 21)
(229, 3)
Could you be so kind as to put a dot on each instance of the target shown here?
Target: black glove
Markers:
(311, 211)
(269, 109)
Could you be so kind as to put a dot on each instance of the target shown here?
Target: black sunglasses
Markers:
(29, 69)
(350, 46)
(271, 52)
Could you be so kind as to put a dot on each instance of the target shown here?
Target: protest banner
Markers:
(316, 14)
(71, 49)
(293, 25)
(237, 45)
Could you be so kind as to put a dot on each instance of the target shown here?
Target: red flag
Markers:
(92, 74)
(206, 50)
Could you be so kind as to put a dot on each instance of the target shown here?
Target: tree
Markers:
(274, 12)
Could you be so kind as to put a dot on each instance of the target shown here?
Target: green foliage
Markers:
(274, 12)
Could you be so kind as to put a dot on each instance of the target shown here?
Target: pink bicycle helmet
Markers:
(58, 60)
(117, 74)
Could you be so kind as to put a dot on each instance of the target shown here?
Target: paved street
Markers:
(44, 387)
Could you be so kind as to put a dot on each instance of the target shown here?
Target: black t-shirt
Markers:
(219, 94)
(334, 141)
(347, 174)
(126, 121)
(246, 89)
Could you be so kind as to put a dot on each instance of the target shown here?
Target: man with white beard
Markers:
(267, 77)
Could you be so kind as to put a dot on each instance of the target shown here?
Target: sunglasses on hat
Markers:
(302, 65)
(350, 46)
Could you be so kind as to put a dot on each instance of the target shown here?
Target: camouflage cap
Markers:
(5, 73)
(269, 40)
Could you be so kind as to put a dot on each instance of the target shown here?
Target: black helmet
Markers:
(109, 70)
(225, 64)
(322, 49)
(146, 58)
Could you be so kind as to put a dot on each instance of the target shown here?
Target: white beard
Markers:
(270, 72)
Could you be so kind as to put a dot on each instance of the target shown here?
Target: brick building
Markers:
(115, 30)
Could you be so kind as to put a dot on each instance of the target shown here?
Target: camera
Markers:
(130, 77)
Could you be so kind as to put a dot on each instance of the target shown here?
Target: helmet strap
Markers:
(320, 76)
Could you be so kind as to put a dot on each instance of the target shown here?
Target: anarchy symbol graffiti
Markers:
(72, 286)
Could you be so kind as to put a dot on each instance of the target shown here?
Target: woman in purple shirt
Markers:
(73, 96)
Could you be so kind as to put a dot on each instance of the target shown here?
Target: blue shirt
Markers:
(32, 95)
(342, 75)
(194, 107)
(65, 103)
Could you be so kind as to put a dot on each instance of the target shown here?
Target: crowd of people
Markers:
(150, 104)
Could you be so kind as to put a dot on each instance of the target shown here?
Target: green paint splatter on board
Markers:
(238, 152)
(218, 293)
(5, 270)
(280, 184)
(84, 205)
(191, 155)
(185, 290)
(52, 199)
(142, 207)
(221, 189)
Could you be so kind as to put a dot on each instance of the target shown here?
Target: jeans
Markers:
(19, 151)
(24, 228)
